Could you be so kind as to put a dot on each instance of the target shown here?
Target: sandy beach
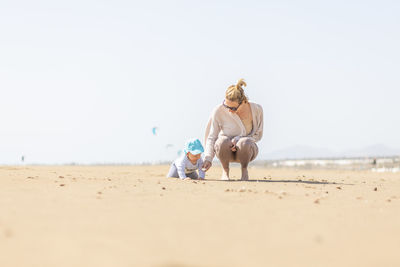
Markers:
(134, 216)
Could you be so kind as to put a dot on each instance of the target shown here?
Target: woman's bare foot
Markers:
(225, 175)
(245, 174)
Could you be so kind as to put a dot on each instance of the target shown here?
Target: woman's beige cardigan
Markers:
(225, 123)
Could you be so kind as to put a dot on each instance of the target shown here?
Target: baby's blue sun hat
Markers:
(193, 146)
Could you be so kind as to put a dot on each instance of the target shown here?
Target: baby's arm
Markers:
(180, 166)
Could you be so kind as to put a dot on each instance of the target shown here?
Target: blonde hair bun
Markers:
(236, 93)
(241, 83)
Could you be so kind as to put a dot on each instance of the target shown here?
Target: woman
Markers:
(233, 130)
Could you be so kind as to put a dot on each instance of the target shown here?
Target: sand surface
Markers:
(134, 216)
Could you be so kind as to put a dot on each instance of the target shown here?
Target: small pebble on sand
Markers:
(163, 188)
(376, 189)
(62, 184)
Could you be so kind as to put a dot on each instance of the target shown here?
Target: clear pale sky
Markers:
(85, 81)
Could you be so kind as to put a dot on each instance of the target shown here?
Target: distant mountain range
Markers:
(301, 152)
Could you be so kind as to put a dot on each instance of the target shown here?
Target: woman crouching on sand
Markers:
(233, 130)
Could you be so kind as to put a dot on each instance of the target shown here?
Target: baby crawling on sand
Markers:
(185, 167)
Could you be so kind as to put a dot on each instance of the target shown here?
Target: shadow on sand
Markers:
(278, 181)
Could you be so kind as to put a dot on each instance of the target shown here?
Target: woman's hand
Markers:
(233, 145)
(206, 165)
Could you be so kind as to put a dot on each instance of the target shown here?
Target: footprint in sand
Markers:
(8, 233)
(283, 193)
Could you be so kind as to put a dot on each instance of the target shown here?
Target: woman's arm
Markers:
(258, 133)
(202, 174)
(212, 138)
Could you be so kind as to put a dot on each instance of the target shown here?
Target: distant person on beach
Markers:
(185, 167)
(233, 130)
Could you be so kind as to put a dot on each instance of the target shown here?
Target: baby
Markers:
(185, 166)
